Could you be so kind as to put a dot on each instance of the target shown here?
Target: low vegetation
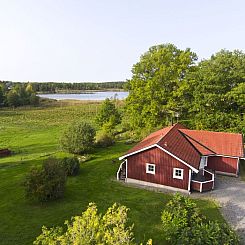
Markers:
(184, 224)
(78, 138)
(71, 166)
(46, 183)
(92, 228)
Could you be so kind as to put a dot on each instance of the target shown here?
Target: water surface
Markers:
(87, 96)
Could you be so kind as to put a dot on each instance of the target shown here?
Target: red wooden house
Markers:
(181, 159)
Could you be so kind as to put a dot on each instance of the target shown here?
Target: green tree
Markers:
(108, 114)
(156, 77)
(218, 91)
(2, 97)
(46, 183)
(92, 228)
(13, 98)
(78, 138)
(183, 224)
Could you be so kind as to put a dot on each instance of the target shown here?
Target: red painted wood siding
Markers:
(223, 164)
(195, 186)
(207, 186)
(136, 168)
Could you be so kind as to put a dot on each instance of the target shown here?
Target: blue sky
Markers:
(78, 40)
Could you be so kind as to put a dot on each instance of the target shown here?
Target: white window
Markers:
(178, 173)
(150, 168)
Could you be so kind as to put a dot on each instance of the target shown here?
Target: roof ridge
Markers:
(187, 136)
(210, 131)
(173, 126)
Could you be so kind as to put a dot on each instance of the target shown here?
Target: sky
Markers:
(92, 41)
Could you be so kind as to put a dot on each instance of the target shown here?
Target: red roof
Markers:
(152, 139)
(228, 144)
(190, 145)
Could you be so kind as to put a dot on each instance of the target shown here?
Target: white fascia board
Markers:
(169, 153)
(135, 152)
(180, 160)
(220, 155)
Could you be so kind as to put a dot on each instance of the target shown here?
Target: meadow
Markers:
(33, 135)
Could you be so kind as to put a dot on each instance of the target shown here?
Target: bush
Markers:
(183, 224)
(78, 138)
(92, 228)
(46, 183)
(105, 139)
(71, 165)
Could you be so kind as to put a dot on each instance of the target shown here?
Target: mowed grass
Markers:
(33, 134)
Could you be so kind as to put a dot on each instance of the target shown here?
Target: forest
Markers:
(54, 87)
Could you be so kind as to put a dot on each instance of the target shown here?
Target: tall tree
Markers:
(218, 91)
(157, 77)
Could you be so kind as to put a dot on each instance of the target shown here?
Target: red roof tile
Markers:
(178, 145)
(228, 144)
(201, 148)
(152, 139)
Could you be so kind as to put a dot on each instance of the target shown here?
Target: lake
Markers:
(87, 96)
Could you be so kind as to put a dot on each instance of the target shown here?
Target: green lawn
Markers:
(33, 134)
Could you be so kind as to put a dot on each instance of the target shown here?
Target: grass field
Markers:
(33, 135)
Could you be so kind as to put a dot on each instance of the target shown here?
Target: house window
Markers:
(178, 173)
(150, 168)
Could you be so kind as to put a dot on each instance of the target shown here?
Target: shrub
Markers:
(78, 138)
(46, 183)
(92, 228)
(105, 139)
(71, 165)
(183, 224)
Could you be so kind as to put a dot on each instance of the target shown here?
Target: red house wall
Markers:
(164, 164)
(223, 164)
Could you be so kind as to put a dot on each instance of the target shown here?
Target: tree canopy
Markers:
(168, 82)
(158, 75)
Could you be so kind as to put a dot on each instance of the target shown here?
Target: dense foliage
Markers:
(168, 82)
(183, 224)
(71, 165)
(156, 77)
(108, 114)
(92, 228)
(105, 138)
(46, 183)
(17, 95)
(78, 138)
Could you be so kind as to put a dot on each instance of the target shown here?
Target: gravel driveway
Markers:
(229, 192)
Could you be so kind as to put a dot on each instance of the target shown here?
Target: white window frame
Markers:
(177, 176)
(149, 171)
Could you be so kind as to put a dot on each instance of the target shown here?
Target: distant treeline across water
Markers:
(57, 87)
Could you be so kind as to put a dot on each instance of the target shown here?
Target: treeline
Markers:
(169, 84)
(19, 94)
(52, 87)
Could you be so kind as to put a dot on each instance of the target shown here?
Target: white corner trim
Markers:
(156, 145)
(126, 168)
(189, 183)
